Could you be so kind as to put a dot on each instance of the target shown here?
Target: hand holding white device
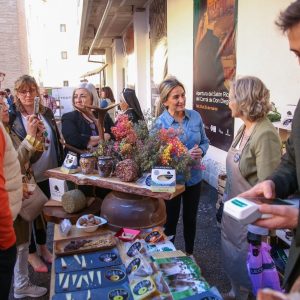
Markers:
(246, 211)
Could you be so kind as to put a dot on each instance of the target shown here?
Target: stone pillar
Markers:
(118, 67)
(109, 68)
(142, 58)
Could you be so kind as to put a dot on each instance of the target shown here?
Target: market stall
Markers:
(129, 256)
(134, 262)
(131, 265)
(137, 206)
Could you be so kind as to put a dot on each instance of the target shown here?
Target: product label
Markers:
(239, 203)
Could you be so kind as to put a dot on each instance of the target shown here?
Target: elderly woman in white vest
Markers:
(27, 150)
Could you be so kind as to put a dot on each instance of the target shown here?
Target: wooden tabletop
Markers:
(112, 183)
(56, 213)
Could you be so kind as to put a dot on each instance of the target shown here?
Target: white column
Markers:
(142, 58)
(109, 68)
(180, 44)
(118, 65)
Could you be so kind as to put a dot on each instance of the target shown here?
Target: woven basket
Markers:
(73, 201)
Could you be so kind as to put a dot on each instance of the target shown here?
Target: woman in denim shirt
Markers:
(189, 122)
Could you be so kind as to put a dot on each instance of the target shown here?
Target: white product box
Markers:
(70, 165)
(163, 179)
(57, 188)
(242, 210)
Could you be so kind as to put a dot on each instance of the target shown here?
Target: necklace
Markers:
(246, 135)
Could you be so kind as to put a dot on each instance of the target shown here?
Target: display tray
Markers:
(121, 292)
(96, 242)
(87, 261)
(91, 279)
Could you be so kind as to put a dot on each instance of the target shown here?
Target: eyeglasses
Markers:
(24, 92)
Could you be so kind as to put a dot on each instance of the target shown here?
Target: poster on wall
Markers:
(64, 99)
(158, 47)
(214, 67)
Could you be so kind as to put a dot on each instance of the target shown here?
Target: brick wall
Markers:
(13, 44)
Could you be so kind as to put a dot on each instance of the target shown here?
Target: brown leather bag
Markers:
(33, 206)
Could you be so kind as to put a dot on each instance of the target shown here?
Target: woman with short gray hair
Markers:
(253, 155)
(78, 129)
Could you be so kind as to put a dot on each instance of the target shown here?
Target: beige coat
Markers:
(261, 154)
(12, 175)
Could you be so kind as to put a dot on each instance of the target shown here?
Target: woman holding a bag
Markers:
(29, 150)
(253, 155)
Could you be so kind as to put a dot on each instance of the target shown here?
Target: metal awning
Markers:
(94, 72)
(118, 18)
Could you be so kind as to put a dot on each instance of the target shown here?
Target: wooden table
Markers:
(113, 183)
(129, 204)
(54, 212)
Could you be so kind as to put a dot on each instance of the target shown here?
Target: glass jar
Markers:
(105, 166)
(87, 163)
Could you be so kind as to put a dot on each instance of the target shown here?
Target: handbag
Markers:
(33, 206)
(261, 268)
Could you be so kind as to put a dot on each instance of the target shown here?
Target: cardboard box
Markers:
(57, 188)
(163, 179)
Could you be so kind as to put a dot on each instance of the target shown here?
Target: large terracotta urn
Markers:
(132, 211)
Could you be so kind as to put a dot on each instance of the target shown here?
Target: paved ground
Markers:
(207, 245)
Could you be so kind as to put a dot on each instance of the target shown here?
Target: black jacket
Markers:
(287, 182)
(77, 131)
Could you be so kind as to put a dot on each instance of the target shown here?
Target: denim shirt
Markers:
(193, 134)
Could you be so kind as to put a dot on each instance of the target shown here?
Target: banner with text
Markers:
(214, 67)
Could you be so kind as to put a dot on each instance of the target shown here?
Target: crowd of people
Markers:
(30, 143)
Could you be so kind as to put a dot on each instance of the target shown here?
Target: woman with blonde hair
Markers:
(253, 155)
(26, 90)
(192, 134)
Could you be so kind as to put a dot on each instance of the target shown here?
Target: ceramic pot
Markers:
(105, 166)
(132, 211)
(87, 163)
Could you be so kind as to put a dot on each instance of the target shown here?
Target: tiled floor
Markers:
(207, 245)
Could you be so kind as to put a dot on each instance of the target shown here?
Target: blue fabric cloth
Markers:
(193, 133)
(10, 100)
(103, 103)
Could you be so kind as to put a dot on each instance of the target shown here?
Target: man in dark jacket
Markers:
(286, 178)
